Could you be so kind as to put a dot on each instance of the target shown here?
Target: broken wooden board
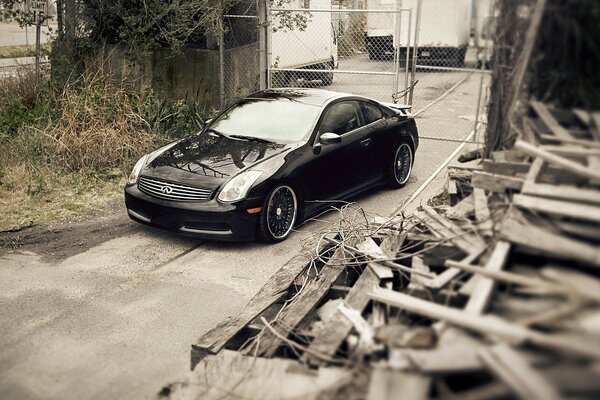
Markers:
(557, 160)
(462, 209)
(486, 324)
(558, 207)
(442, 227)
(482, 213)
(332, 334)
(231, 375)
(505, 167)
(549, 121)
(306, 300)
(484, 289)
(389, 384)
(512, 369)
(276, 287)
(546, 243)
(495, 182)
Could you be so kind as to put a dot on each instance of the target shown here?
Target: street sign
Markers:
(39, 11)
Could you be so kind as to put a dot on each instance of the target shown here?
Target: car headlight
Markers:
(237, 188)
(135, 173)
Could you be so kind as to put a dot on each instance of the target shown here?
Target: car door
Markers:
(375, 127)
(339, 168)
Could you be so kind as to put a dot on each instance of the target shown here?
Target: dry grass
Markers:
(99, 126)
(56, 198)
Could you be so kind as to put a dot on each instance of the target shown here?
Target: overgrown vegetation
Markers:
(70, 150)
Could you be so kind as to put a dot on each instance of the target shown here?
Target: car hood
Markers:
(207, 160)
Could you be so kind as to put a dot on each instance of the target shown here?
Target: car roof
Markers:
(317, 97)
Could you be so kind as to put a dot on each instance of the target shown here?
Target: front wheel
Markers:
(400, 167)
(278, 215)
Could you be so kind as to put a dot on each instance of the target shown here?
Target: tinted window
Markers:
(371, 112)
(341, 118)
(279, 120)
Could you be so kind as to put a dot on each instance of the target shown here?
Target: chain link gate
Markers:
(314, 44)
(409, 51)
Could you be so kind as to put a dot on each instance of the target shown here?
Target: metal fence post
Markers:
(263, 26)
(221, 63)
(415, 51)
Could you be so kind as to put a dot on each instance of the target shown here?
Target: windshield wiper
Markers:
(251, 138)
(218, 133)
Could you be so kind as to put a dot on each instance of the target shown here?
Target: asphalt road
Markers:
(100, 315)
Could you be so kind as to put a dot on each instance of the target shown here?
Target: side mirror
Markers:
(330, 137)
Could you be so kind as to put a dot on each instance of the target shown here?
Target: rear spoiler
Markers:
(403, 108)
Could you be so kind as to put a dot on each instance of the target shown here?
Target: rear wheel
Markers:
(278, 215)
(400, 167)
(327, 77)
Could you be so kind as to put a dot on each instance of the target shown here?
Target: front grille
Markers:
(207, 226)
(172, 191)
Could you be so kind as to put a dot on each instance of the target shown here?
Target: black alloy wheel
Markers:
(279, 214)
(401, 166)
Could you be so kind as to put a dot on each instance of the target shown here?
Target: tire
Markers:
(400, 166)
(278, 214)
(327, 78)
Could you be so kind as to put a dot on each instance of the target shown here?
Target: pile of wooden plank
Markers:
(494, 294)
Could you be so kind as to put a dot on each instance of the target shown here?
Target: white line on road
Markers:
(436, 172)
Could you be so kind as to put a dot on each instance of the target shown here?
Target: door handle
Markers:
(365, 142)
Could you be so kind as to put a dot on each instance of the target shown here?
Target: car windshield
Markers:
(275, 120)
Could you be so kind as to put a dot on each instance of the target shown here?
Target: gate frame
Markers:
(265, 20)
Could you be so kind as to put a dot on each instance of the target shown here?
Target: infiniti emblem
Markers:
(166, 189)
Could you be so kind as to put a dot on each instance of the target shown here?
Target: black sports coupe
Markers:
(270, 161)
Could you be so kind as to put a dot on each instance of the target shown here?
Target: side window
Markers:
(371, 112)
(341, 118)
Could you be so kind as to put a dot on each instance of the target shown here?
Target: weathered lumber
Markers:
(505, 167)
(557, 160)
(580, 142)
(442, 279)
(570, 150)
(485, 324)
(452, 192)
(511, 368)
(331, 335)
(386, 263)
(557, 207)
(544, 242)
(482, 293)
(443, 227)
(524, 280)
(595, 118)
(462, 209)
(564, 192)
(582, 116)
(305, 301)
(496, 183)
(374, 252)
(549, 121)
(231, 375)
(388, 384)
(276, 287)
(482, 212)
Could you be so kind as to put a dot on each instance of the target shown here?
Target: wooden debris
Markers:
(482, 212)
(496, 183)
(387, 384)
(510, 367)
(484, 288)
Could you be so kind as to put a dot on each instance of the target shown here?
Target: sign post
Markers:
(39, 13)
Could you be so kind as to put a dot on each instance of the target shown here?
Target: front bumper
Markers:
(207, 220)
